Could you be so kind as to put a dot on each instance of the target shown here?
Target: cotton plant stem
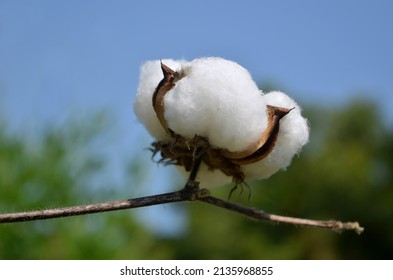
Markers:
(97, 207)
(182, 195)
(192, 184)
(261, 215)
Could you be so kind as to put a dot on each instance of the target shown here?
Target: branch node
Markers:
(193, 192)
(202, 193)
(192, 185)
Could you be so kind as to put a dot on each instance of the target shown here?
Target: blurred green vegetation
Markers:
(344, 173)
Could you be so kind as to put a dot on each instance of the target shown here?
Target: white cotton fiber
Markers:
(217, 99)
(293, 135)
(150, 76)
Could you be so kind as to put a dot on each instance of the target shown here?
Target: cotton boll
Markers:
(150, 76)
(293, 135)
(217, 99)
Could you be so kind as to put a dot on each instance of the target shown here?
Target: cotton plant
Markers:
(211, 120)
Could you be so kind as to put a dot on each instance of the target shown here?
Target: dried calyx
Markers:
(265, 144)
(181, 151)
(166, 84)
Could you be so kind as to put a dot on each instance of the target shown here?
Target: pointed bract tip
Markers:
(280, 112)
(166, 70)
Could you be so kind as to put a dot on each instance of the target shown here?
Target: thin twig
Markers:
(181, 195)
(261, 215)
(185, 194)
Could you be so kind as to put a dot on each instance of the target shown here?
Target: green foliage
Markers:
(344, 173)
(56, 171)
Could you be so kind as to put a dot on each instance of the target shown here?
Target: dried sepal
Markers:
(265, 144)
(165, 85)
(182, 152)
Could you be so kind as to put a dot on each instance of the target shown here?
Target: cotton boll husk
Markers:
(150, 76)
(217, 99)
(292, 136)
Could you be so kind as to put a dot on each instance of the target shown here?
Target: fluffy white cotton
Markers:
(218, 99)
(293, 135)
(150, 76)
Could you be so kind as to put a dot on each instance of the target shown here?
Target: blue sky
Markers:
(62, 57)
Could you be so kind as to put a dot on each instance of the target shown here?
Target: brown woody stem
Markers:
(261, 215)
(182, 195)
